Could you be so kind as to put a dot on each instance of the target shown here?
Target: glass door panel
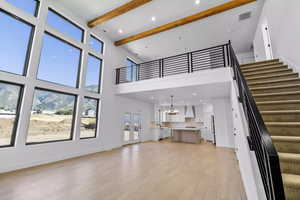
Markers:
(136, 126)
(131, 128)
(127, 128)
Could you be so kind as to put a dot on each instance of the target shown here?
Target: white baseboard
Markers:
(291, 64)
(54, 159)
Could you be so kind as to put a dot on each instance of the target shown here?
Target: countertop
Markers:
(186, 129)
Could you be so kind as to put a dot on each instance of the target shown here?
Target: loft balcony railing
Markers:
(259, 138)
(209, 58)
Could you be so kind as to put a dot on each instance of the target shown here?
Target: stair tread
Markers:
(280, 112)
(274, 81)
(286, 138)
(291, 180)
(272, 76)
(257, 66)
(275, 87)
(264, 68)
(278, 102)
(277, 94)
(265, 72)
(289, 156)
(259, 62)
(283, 123)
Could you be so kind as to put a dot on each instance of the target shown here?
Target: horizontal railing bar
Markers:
(209, 56)
(208, 61)
(207, 52)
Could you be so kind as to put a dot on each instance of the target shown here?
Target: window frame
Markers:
(17, 116)
(73, 126)
(133, 76)
(100, 74)
(30, 42)
(99, 40)
(80, 65)
(68, 20)
(37, 8)
(29, 81)
(97, 118)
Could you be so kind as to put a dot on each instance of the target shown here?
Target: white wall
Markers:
(247, 57)
(247, 160)
(203, 77)
(112, 110)
(223, 123)
(283, 20)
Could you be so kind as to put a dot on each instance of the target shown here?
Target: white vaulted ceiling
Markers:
(204, 33)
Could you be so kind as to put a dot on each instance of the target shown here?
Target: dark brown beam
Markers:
(118, 11)
(201, 15)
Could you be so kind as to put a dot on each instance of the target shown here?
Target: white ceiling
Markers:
(192, 95)
(204, 33)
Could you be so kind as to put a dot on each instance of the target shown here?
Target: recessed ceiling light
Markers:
(153, 18)
(194, 94)
(120, 31)
(197, 2)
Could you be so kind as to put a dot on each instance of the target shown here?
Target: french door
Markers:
(132, 128)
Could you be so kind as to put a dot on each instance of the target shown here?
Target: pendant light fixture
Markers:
(172, 110)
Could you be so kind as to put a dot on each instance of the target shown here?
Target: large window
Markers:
(15, 37)
(29, 6)
(42, 65)
(131, 73)
(10, 96)
(51, 117)
(93, 76)
(65, 26)
(96, 44)
(89, 118)
(59, 62)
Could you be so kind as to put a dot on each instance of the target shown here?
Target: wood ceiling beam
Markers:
(201, 15)
(118, 11)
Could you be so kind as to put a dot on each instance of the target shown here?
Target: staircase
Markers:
(276, 90)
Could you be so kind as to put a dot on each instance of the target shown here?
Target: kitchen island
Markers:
(186, 135)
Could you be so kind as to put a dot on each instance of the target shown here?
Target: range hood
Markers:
(189, 112)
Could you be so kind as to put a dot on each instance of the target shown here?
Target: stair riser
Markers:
(263, 69)
(293, 117)
(277, 78)
(263, 62)
(274, 84)
(287, 89)
(291, 167)
(287, 147)
(291, 193)
(278, 97)
(284, 130)
(255, 66)
(247, 75)
(291, 106)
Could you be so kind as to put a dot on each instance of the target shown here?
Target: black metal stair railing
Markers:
(259, 139)
(213, 57)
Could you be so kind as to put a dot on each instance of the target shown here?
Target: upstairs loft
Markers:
(209, 58)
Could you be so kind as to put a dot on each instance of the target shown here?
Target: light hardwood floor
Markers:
(148, 171)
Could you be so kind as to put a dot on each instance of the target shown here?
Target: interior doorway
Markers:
(131, 128)
(267, 41)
